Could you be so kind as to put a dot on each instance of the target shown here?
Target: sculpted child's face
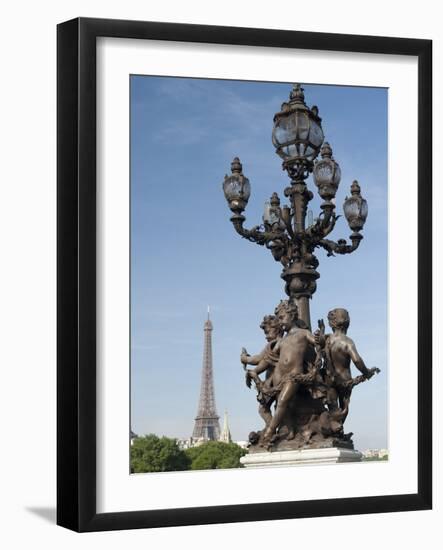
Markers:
(272, 332)
(271, 328)
(287, 319)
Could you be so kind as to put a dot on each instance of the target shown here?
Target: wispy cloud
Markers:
(182, 132)
(171, 312)
(141, 347)
(224, 110)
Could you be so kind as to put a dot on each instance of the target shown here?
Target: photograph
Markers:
(246, 356)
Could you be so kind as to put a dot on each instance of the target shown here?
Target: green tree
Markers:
(215, 455)
(157, 454)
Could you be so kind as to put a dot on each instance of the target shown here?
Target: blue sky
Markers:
(186, 255)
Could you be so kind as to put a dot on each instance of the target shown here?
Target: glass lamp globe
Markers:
(272, 212)
(297, 133)
(327, 173)
(355, 208)
(236, 187)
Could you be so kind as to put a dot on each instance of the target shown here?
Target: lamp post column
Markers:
(301, 275)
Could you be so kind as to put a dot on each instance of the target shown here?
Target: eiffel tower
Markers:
(206, 425)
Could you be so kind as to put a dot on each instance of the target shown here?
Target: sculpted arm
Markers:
(261, 362)
(319, 335)
(262, 366)
(317, 339)
(310, 338)
(356, 358)
(252, 359)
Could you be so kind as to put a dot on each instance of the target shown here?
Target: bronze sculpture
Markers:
(308, 379)
(308, 375)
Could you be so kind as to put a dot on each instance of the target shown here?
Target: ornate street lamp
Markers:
(327, 174)
(298, 139)
(355, 208)
(237, 188)
(297, 134)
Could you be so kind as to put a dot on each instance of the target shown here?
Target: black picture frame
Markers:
(76, 281)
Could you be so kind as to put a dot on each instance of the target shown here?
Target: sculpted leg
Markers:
(265, 412)
(344, 400)
(332, 399)
(283, 400)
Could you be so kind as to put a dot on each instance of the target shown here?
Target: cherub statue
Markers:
(296, 353)
(340, 350)
(265, 361)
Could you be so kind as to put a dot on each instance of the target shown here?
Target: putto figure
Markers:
(340, 350)
(296, 353)
(264, 362)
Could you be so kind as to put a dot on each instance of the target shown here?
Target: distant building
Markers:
(133, 436)
(375, 454)
(226, 434)
(188, 442)
(184, 443)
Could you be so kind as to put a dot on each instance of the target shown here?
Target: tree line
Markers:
(152, 453)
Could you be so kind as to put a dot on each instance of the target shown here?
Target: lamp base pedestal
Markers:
(332, 455)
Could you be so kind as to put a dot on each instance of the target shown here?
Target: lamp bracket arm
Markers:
(254, 234)
(341, 246)
(318, 231)
(330, 226)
